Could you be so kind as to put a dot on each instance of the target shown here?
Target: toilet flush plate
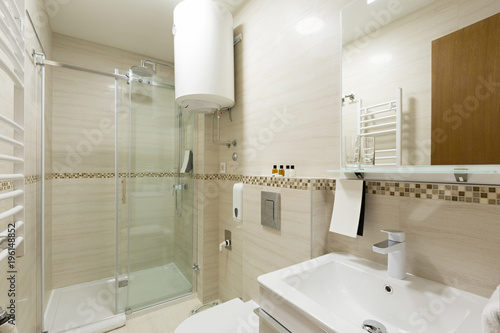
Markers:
(270, 210)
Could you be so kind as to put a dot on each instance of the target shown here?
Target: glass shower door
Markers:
(156, 240)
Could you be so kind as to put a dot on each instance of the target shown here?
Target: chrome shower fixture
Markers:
(142, 71)
(146, 71)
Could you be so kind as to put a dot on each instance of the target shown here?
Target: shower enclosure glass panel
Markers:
(154, 240)
(112, 237)
(79, 199)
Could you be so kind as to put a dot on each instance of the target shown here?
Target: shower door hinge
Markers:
(128, 311)
(196, 267)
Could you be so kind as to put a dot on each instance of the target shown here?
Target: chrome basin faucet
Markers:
(395, 248)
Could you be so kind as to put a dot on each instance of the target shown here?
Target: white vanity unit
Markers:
(342, 293)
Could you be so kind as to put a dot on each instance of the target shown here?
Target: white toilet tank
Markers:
(204, 56)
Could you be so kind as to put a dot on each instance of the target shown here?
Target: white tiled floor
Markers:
(163, 320)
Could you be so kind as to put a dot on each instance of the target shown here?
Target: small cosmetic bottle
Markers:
(282, 171)
(275, 169)
(292, 171)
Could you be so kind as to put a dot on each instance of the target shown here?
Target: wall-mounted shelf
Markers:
(402, 170)
(488, 174)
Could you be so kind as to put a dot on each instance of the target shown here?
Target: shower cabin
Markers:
(118, 210)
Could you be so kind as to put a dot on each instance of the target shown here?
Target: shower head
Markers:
(142, 71)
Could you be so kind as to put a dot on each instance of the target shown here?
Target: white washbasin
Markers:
(337, 290)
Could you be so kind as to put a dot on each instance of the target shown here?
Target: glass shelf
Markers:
(470, 174)
(424, 170)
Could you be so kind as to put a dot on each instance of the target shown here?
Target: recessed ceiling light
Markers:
(369, 1)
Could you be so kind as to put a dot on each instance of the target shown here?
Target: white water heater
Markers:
(204, 56)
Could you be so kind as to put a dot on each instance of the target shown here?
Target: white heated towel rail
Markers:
(383, 121)
(12, 143)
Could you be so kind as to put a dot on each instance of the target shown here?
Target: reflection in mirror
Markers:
(387, 45)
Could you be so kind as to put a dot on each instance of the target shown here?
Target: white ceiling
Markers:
(140, 26)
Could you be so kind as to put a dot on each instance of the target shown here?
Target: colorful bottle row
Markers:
(288, 172)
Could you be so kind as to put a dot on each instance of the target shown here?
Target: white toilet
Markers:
(233, 316)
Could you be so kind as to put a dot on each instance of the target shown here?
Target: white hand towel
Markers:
(347, 207)
(491, 313)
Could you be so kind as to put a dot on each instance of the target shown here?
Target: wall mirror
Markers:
(423, 78)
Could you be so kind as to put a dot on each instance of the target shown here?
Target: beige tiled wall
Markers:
(287, 89)
(83, 230)
(288, 112)
(288, 85)
(266, 249)
(320, 220)
(450, 242)
(284, 114)
(210, 230)
(455, 243)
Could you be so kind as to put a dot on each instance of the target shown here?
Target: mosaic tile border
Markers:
(6, 185)
(28, 180)
(81, 175)
(289, 183)
(280, 182)
(218, 176)
(107, 175)
(324, 184)
(237, 178)
(208, 176)
(487, 195)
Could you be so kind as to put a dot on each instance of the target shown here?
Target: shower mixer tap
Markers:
(178, 187)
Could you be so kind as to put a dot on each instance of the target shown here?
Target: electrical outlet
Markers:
(223, 167)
